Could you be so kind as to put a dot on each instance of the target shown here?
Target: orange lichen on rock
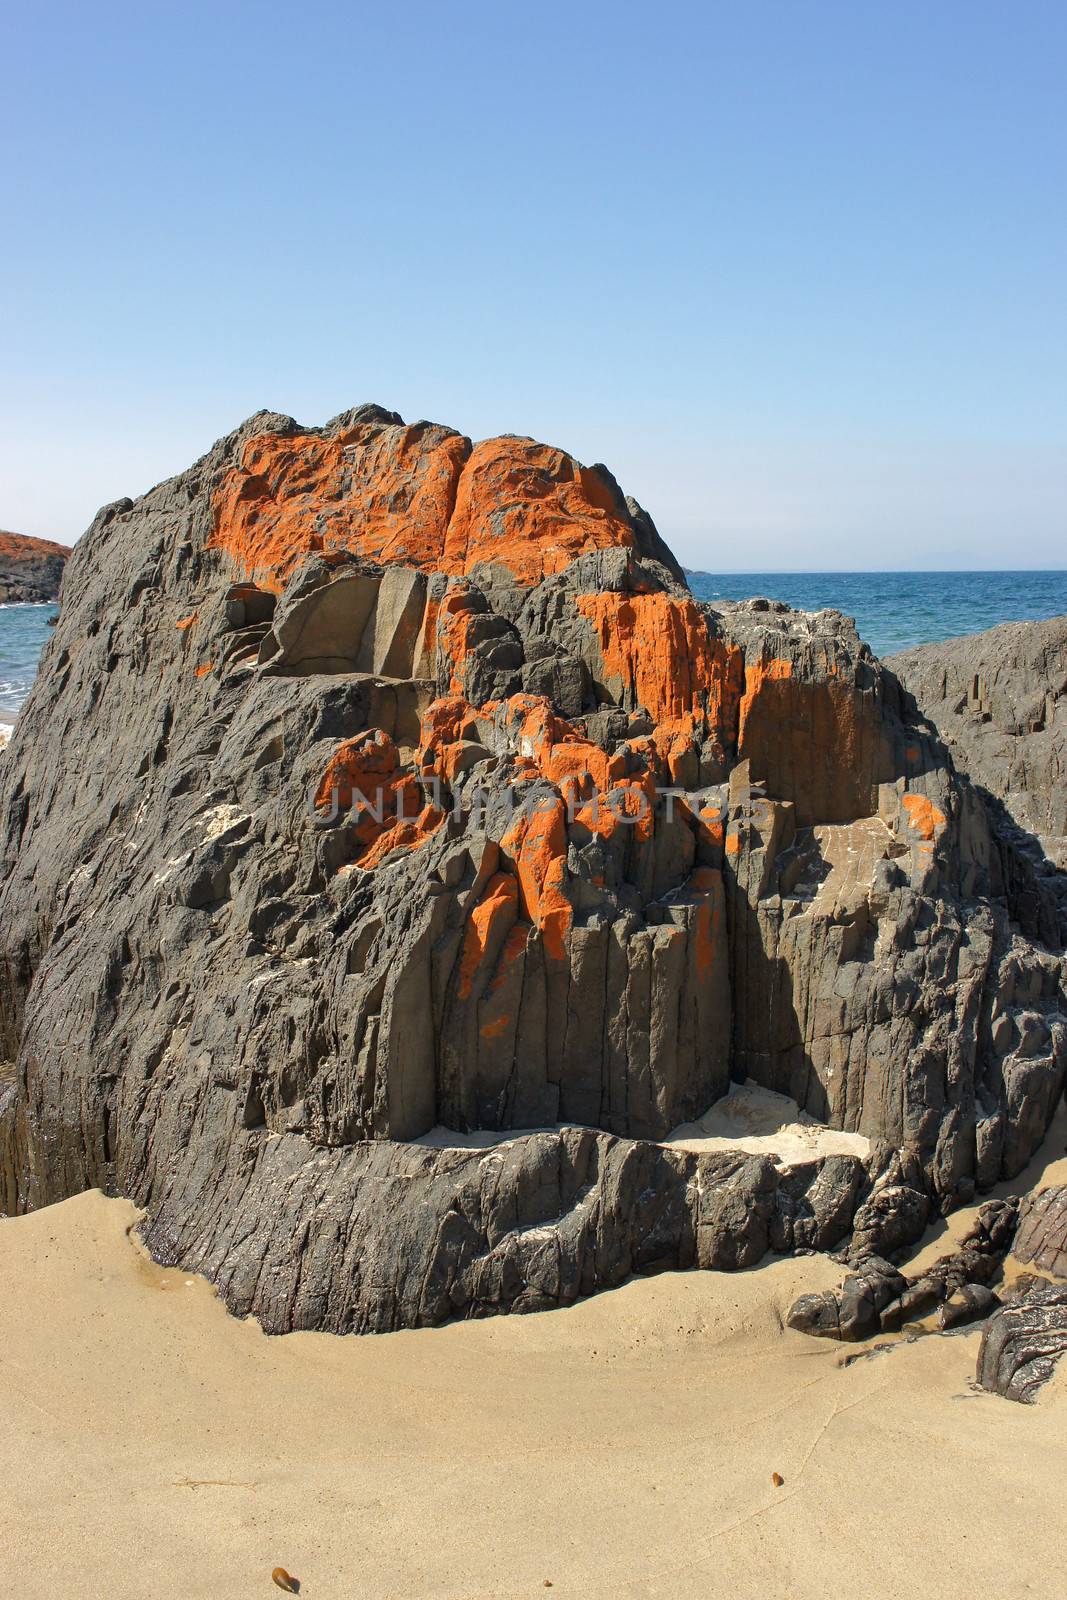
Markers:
(816, 743)
(488, 926)
(416, 495)
(705, 886)
(403, 835)
(758, 673)
(708, 824)
(924, 818)
(24, 546)
(449, 726)
(205, 667)
(187, 622)
(450, 626)
(385, 492)
(532, 509)
(553, 747)
(536, 844)
(364, 776)
(360, 769)
(658, 649)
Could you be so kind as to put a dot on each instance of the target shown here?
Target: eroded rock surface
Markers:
(375, 780)
(1042, 1238)
(999, 699)
(1024, 1341)
(876, 1298)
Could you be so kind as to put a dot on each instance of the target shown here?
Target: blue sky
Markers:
(795, 269)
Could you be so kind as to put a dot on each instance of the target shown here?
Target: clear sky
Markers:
(795, 269)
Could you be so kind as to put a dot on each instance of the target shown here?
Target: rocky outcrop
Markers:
(375, 780)
(381, 1235)
(1023, 1343)
(999, 700)
(876, 1298)
(1042, 1238)
(30, 569)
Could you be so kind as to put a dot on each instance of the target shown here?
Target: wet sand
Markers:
(152, 1445)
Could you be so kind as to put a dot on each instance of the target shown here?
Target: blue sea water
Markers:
(893, 610)
(23, 631)
(897, 610)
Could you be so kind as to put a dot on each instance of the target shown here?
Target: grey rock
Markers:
(232, 995)
(1023, 1342)
(1042, 1237)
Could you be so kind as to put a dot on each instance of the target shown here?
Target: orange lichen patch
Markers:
(757, 674)
(629, 803)
(402, 835)
(659, 650)
(203, 670)
(492, 919)
(359, 769)
(24, 547)
(498, 1026)
(733, 844)
(451, 632)
(187, 622)
(443, 722)
(399, 493)
(604, 792)
(554, 747)
(537, 845)
(707, 823)
(675, 741)
(706, 887)
(418, 496)
(382, 492)
(532, 509)
(447, 726)
(924, 818)
(816, 743)
(364, 776)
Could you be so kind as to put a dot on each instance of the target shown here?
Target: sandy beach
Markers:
(155, 1445)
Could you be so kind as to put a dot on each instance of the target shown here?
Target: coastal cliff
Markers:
(376, 780)
(30, 569)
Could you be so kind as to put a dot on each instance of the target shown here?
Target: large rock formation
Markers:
(30, 569)
(375, 780)
(999, 700)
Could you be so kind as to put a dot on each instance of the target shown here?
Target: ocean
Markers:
(893, 610)
(23, 631)
(898, 610)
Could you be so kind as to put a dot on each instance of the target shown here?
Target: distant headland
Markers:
(30, 569)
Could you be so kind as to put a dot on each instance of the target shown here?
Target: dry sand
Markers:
(761, 1122)
(153, 1446)
(747, 1118)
